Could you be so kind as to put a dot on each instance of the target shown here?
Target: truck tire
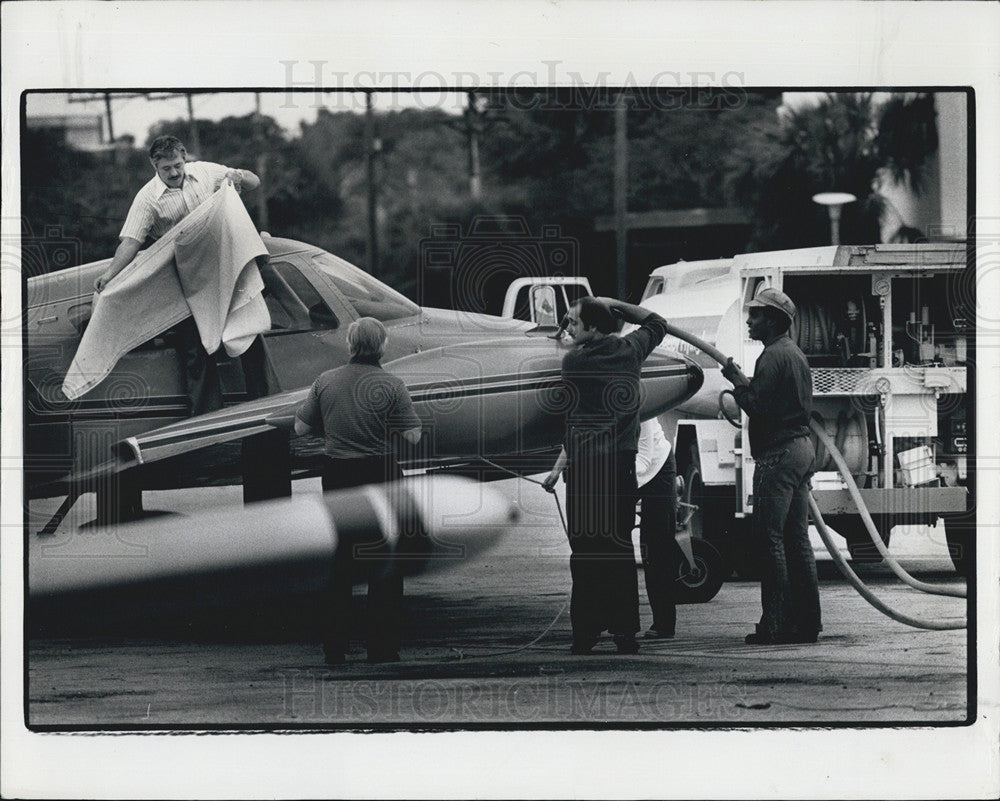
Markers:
(709, 514)
(960, 531)
(699, 583)
(859, 542)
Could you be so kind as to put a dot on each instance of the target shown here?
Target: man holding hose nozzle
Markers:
(601, 378)
(778, 402)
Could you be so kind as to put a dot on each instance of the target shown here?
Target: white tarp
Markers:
(205, 266)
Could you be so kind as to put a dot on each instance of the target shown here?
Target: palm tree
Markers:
(847, 143)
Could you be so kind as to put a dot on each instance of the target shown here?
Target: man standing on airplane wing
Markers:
(601, 376)
(175, 191)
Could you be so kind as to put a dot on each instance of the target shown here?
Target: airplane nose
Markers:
(668, 379)
(695, 377)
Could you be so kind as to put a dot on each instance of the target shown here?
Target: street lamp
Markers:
(833, 201)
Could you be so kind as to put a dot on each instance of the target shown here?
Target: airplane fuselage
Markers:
(483, 385)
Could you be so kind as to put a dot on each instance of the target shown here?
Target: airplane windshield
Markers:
(369, 296)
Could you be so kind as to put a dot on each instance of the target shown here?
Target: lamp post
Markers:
(833, 201)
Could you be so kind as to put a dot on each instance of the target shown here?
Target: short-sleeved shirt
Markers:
(157, 208)
(779, 397)
(601, 377)
(357, 407)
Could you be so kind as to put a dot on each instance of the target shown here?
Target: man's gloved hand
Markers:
(732, 373)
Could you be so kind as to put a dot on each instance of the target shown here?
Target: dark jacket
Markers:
(779, 398)
(602, 380)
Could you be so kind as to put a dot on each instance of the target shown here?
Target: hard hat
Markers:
(776, 299)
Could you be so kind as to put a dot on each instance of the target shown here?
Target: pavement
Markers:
(487, 646)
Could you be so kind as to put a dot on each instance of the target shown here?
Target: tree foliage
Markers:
(907, 137)
(840, 144)
(547, 158)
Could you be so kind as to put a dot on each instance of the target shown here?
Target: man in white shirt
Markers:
(174, 192)
(655, 473)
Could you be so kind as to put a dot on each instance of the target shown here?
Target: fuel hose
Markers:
(852, 488)
(845, 569)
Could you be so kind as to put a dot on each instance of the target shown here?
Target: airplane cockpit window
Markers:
(293, 302)
(369, 296)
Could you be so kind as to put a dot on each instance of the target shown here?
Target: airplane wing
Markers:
(225, 425)
(490, 398)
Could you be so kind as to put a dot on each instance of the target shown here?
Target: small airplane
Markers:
(486, 387)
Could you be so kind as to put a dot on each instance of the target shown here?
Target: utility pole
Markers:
(106, 97)
(193, 128)
(371, 145)
(107, 109)
(261, 165)
(472, 132)
(621, 194)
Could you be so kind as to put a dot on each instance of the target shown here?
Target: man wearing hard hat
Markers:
(778, 401)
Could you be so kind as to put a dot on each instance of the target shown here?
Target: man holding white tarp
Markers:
(177, 189)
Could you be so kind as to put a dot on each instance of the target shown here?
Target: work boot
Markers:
(583, 646)
(626, 644)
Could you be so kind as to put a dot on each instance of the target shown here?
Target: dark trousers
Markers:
(788, 587)
(385, 591)
(201, 375)
(657, 543)
(600, 505)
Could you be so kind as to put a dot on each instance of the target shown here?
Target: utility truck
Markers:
(886, 330)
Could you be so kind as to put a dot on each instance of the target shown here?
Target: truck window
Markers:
(654, 287)
(543, 305)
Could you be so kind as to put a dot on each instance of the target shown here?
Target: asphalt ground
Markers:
(486, 645)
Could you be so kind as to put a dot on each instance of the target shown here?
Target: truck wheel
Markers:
(699, 583)
(707, 514)
(960, 532)
(742, 554)
(859, 542)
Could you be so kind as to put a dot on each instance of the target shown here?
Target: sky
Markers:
(134, 115)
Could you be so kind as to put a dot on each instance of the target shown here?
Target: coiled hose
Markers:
(845, 569)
